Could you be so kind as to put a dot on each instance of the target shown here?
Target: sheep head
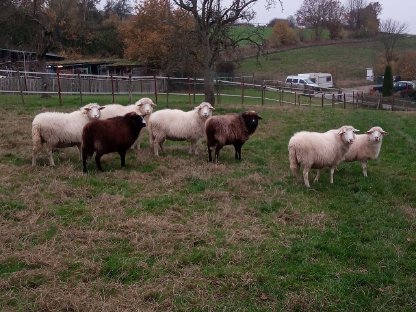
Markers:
(145, 106)
(205, 109)
(347, 134)
(251, 120)
(92, 110)
(376, 134)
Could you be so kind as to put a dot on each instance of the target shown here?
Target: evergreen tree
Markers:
(388, 81)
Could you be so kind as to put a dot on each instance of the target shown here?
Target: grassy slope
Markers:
(176, 233)
(347, 62)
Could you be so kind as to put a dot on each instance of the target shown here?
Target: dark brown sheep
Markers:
(115, 134)
(230, 129)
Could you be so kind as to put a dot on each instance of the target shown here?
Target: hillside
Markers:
(346, 61)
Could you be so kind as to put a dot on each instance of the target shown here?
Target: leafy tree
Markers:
(406, 65)
(334, 18)
(312, 14)
(388, 81)
(212, 23)
(282, 34)
(362, 18)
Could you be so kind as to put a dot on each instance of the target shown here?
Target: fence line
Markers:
(61, 84)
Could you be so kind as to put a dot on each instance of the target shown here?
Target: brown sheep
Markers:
(230, 129)
(115, 134)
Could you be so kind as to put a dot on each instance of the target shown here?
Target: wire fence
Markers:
(165, 89)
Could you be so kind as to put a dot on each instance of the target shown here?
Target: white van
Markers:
(298, 81)
(324, 80)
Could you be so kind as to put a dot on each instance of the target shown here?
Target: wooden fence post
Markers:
(59, 86)
(112, 87)
(167, 93)
(242, 90)
(80, 87)
(344, 101)
(333, 100)
(155, 86)
(322, 100)
(20, 87)
(130, 89)
(296, 98)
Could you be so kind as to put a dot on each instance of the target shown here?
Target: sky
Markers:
(402, 11)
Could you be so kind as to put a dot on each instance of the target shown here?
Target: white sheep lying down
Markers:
(60, 130)
(177, 125)
(143, 107)
(365, 147)
(315, 150)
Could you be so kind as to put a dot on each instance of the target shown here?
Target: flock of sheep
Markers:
(115, 128)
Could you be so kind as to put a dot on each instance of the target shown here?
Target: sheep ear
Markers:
(87, 109)
(101, 107)
(384, 132)
(355, 130)
(369, 131)
(153, 104)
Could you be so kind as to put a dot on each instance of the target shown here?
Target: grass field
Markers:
(347, 62)
(175, 233)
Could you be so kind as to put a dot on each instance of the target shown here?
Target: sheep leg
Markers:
(306, 176)
(98, 161)
(49, 151)
(217, 152)
(331, 170)
(192, 147)
(237, 148)
(35, 151)
(84, 160)
(364, 166)
(209, 154)
(79, 151)
(318, 174)
(122, 158)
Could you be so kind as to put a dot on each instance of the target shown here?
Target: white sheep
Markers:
(143, 107)
(315, 150)
(59, 130)
(177, 125)
(366, 146)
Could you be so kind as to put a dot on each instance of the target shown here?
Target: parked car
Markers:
(397, 86)
(298, 81)
(403, 85)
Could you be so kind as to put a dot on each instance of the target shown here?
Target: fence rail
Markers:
(247, 91)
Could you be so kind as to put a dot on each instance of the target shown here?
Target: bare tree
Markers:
(212, 21)
(391, 31)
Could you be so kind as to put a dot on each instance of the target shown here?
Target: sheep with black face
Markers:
(230, 129)
(115, 134)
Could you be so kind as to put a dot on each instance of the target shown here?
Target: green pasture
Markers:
(346, 61)
(176, 233)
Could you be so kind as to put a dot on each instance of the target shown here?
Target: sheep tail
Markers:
(293, 160)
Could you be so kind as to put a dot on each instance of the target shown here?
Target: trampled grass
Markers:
(176, 233)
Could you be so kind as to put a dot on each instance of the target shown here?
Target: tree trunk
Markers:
(209, 86)
(44, 77)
